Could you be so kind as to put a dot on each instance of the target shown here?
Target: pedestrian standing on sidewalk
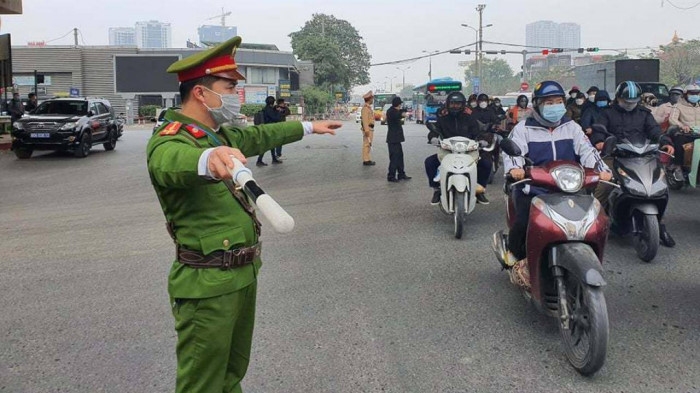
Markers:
(394, 138)
(367, 128)
(213, 280)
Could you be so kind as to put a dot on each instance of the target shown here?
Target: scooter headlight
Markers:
(459, 147)
(568, 178)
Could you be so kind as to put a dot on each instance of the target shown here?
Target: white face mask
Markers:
(580, 101)
(472, 104)
(591, 98)
(483, 105)
(230, 107)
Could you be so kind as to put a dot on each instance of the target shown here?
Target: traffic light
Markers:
(467, 51)
(40, 78)
(545, 52)
(456, 51)
(592, 49)
(581, 50)
(557, 50)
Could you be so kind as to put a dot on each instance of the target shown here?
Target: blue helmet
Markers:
(547, 89)
(628, 90)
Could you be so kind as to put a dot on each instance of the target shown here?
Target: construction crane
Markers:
(223, 16)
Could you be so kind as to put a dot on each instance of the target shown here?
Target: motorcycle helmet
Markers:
(692, 89)
(455, 102)
(677, 90)
(628, 91)
(546, 89)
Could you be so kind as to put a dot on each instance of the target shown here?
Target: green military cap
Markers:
(217, 61)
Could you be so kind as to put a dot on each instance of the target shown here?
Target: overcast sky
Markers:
(392, 29)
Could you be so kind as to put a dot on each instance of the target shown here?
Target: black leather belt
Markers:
(223, 260)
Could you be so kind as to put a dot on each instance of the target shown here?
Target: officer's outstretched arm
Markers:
(256, 140)
(172, 163)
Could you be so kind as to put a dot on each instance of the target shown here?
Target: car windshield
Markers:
(73, 108)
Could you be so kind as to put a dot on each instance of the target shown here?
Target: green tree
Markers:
(497, 77)
(338, 51)
(316, 100)
(680, 62)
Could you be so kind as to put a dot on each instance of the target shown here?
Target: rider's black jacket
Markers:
(624, 124)
(461, 124)
(485, 115)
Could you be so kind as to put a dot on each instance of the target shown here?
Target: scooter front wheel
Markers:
(459, 214)
(646, 240)
(586, 339)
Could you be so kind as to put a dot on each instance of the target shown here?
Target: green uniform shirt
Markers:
(204, 214)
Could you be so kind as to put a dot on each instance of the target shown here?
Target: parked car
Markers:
(69, 124)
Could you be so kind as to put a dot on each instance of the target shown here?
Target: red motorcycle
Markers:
(566, 237)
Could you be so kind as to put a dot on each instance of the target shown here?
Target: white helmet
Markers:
(692, 89)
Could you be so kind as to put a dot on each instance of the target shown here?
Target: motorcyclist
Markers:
(574, 111)
(545, 136)
(519, 112)
(472, 101)
(662, 114)
(683, 120)
(454, 120)
(482, 113)
(624, 119)
(592, 115)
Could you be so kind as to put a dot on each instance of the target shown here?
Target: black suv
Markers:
(72, 124)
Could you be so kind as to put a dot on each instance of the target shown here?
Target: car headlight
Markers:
(568, 178)
(69, 126)
(18, 126)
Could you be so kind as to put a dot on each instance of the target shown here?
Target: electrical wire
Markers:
(81, 37)
(63, 36)
(679, 7)
(412, 59)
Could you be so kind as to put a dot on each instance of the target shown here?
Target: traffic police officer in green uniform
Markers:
(212, 283)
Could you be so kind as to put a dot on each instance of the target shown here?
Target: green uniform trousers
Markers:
(214, 337)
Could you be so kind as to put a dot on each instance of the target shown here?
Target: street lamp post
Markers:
(478, 55)
(403, 76)
(430, 63)
(391, 86)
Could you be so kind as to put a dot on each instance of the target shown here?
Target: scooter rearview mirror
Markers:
(511, 148)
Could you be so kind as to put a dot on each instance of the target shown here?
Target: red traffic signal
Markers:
(545, 52)
(557, 50)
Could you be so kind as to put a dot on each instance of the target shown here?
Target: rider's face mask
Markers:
(580, 101)
(591, 97)
(483, 104)
(472, 104)
(553, 112)
(693, 98)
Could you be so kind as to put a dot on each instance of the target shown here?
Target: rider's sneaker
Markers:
(510, 260)
(481, 199)
(436, 179)
(436, 198)
(666, 239)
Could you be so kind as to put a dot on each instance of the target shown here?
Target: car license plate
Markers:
(39, 135)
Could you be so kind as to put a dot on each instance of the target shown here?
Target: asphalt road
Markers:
(370, 293)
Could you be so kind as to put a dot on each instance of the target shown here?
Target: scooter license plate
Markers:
(39, 135)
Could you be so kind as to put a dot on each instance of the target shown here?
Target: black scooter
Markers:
(639, 201)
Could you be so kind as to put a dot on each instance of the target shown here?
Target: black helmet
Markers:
(482, 97)
(628, 90)
(456, 97)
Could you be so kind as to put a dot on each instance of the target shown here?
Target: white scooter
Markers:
(457, 177)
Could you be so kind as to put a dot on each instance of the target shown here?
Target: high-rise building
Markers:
(153, 34)
(209, 34)
(122, 36)
(569, 35)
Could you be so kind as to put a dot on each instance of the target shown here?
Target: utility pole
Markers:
(403, 76)
(480, 10)
(522, 74)
(75, 36)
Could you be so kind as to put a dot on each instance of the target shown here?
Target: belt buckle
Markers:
(231, 259)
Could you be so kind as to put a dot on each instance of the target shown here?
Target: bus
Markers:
(380, 100)
(431, 96)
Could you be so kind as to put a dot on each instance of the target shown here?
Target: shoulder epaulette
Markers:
(171, 128)
(195, 131)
